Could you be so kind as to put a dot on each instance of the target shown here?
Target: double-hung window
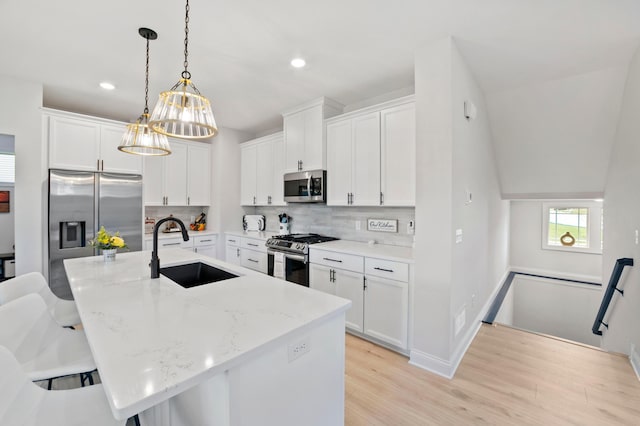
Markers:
(572, 226)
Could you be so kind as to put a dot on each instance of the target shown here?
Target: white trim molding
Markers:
(634, 358)
(447, 368)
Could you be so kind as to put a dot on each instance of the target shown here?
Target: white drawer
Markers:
(253, 244)
(344, 261)
(386, 269)
(173, 242)
(233, 240)
(205, 240)
(254, 260)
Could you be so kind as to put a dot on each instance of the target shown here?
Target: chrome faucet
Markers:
(155, 261)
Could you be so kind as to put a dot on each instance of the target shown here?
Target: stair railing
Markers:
(612, 287)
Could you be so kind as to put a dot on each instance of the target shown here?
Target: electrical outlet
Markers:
(460, 320)
(411, 227)
(296, 350)
(358, 225)
(458, 236)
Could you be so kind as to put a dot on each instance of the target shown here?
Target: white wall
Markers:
(7, 222)
(526, 251)
(225, 213)
(556, 308)
(453, 155)
(20, 116)
(622, 218)
(553, 139)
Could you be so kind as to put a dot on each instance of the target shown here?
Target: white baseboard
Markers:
(634, 357)
(447, 368)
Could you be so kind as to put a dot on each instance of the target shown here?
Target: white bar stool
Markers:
(64, 311)
(24, 403)
(44, 349)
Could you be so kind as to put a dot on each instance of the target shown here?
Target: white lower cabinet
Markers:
(254, 260)
(346, 284)
(387, 304)
(206, 245)
(378, 290)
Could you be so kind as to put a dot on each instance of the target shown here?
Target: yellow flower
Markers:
(117, 242)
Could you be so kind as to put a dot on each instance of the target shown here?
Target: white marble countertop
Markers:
(260, 235)
(192, 234)
(152, 339)
(378, 251)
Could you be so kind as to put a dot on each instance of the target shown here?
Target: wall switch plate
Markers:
(468, 196)
(358, 225)
(460, 320)
(301, 347)
(458, 236)
(411, 227)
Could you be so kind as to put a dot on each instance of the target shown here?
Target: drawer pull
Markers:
(383, 270)
(204, 241)
(253, 245)
(332, 260)
(254, 261)
(170, 244)
(232, 241)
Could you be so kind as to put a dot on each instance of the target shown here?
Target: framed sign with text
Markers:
(382, 225)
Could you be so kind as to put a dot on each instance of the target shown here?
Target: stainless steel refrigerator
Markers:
(81, 202)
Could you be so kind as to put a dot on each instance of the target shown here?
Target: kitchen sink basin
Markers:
(195, 274)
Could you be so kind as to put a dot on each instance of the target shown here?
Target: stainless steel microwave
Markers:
(305, 187)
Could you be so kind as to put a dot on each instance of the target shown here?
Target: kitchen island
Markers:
(243, 351)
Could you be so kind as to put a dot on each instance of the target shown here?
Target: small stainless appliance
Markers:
(81, 202)
(288, 256)
(306, 187)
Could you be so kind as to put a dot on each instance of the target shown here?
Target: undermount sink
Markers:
(195, 274)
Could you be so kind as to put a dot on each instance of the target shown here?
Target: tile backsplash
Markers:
(184, 213)
(341, 221)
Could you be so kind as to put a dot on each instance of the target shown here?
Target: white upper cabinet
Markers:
(86, 143)
(261, 171)
(304, 137)
(181, 178)
(198, 174)
(112, 159)
(371, 156)
(398, 154)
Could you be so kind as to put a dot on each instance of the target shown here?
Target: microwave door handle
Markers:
(309, 186)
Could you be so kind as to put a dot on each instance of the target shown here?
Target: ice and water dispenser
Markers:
(72, 234)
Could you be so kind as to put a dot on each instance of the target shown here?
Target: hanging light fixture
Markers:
(139, 138)
(182, 111)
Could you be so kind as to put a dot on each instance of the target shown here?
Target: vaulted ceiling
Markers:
(357, 49)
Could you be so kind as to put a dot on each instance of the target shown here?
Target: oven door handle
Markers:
(298, 257)
(309, 186)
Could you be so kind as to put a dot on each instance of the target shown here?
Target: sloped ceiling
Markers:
(553, 139)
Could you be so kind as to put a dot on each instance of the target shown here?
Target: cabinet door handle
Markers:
(269, 199)
(254, 200)
(237, 252)
(232, 241)
(383, 270)
(381, 199)
(98, 164)
(195, 249)
(332, 260)
(364, 283)
(252, 260)
(102, 165)
(253, 245)
(188, 201)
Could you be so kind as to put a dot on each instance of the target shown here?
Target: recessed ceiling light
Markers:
(298, 63)
(107, 86)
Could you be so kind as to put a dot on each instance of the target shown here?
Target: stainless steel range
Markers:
(288, 256)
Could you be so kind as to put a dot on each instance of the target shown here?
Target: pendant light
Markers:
(139, 139)
(183, 112)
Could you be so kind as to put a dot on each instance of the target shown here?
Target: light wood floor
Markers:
(507, 377)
